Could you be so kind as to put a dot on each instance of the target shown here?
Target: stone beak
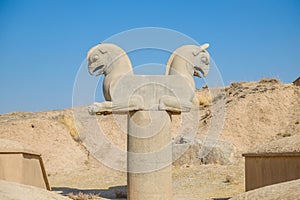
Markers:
(94, 67)
(201, 71)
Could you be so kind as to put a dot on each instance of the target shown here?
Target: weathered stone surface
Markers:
(16, 191)
(198, 153)
(191, 151)
(149, 155)
(220, 153)
(152, 89)
(287, 190)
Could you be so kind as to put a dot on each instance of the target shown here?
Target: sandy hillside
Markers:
(255, 113)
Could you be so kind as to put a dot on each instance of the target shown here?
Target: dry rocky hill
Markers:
(255, 114)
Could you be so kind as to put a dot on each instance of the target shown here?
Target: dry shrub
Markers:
(68, 121)
(269, 80)
(236, 84)
(204, 98)
(285, 134)
(82, 196)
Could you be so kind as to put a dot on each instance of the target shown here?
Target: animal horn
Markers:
(202, 47)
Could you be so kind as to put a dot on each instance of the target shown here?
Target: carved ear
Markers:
(204, 46)
(103, 51)
(201, 48)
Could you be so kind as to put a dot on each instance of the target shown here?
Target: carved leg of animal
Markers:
(135, 102)
(100, 108)
(171, 103)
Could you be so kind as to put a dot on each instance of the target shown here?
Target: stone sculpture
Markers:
(149, 102)
(186, 61)
(113, 62)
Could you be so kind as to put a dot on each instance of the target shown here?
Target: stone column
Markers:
(149, 156)
(150, 100)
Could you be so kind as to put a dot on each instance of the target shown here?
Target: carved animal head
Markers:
(108, 58)
(98, 59)
(189, 59)
(202, 61)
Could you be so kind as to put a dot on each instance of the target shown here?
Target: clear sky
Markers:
(43, 43)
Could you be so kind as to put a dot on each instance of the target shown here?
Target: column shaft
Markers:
(149, 156)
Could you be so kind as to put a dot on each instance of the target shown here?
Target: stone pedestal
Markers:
(149, 156)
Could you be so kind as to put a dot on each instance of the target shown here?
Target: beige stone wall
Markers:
(267, 169)
(23, 168)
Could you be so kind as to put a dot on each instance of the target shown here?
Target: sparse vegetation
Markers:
(204, 97)
(204, 100)
(82, 196)
(284, 134)
(228, 179)
(269, 80)
(68, 121)
(236, 84)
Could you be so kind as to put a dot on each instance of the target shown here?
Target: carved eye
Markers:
(204, 59)
(95, 58)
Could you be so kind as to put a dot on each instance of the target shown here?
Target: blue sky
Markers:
(43, 43)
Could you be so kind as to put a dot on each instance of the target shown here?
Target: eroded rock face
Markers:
(200, 152)
(221, 153)
(191, 154)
